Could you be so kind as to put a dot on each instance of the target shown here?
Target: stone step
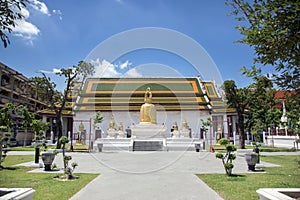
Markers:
(147, 146)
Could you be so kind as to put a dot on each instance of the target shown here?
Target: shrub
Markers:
(227, 157)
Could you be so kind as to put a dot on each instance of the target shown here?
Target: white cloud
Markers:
(25, 12)
(54, 71)
(40, 6)
(58, 12)
(25, 28)
(133, 73)
(105, 69)
(125, 64)
(119, 1)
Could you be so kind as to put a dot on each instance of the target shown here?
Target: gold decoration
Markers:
(148, 110)
(112, 123)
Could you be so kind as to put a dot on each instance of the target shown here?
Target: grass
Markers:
(46, 187)
(76, 147)
(244, 186)
(272, 149)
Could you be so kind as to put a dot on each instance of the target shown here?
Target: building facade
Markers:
(176, 99)
(17, 89)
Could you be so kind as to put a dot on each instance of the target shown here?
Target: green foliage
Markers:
(56, 100)
(45, 186)
(10, 12)
(228, 166)
(230, 147)
(98, 118)
(272, 29)
(228, 157)
(39, 127)
(5, 124)
(244, 186)
(205, 124)
(238, 99)
(64, 140)
(68, 170)
(219, 155)
(223, 141)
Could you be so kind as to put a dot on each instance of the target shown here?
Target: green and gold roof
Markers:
(107, 94)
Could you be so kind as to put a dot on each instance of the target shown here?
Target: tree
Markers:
(10, 12)
(97, 119)
(39, 127)
(238, 99)
(228, 157)
(57, 101)
(5, 124)
(272, 28)
(261, 111)
(27, 118)
(68, 170)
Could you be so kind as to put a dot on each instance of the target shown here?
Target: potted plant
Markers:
(48, 158)
(251, 159)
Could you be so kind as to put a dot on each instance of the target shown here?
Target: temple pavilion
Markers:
(177, 101)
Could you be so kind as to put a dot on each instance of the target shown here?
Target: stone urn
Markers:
(48, 160)
(251, 159)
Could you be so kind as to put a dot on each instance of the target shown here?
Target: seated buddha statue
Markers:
(148, 110)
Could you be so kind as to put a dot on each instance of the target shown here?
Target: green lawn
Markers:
(272, 149)
(77, 148)
(244, 186)
(46, 187)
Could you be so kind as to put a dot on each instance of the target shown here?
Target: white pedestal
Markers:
(185, 134)
(148, 131)
(175, 134)
(112, 133)
(121, 134)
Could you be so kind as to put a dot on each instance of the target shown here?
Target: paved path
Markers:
(149, 175)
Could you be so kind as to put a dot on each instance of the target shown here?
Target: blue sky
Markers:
(59, 33)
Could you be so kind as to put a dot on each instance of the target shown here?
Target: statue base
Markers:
(112, 133)
(175, 134)
(145, 131)
(185, 133)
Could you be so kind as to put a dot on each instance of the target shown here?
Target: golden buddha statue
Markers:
(112, 123)
(148, 110)
(81, 127)
(185, 125)
(121, 127)
(175, 126)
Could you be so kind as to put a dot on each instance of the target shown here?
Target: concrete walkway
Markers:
(149, 175)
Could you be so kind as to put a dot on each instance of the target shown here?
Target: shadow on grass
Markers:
(9, 168)
(237, 175)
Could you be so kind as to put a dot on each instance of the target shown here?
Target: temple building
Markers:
(179, 101)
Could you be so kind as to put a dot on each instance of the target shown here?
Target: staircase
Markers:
(148, 146)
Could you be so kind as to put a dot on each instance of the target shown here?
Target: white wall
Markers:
(129, 118)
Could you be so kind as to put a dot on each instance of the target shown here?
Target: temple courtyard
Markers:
(152, 175)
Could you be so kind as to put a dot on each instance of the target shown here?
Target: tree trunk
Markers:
(59, 130)
(241, 130)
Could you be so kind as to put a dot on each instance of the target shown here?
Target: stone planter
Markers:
(16, 193)
(48, 160)
(278, 193)
(251, 159)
